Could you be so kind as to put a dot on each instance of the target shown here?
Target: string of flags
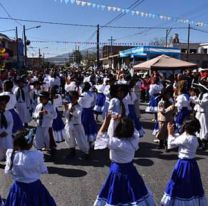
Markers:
(101, 43)
(144, 14)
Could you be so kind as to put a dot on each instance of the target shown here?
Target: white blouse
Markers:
(187, 145)
(12, 101)
(155, 89)
(87, 100)
(75, 114)
(48, 118)
(182, 101)
(123, 150)
(27, 165)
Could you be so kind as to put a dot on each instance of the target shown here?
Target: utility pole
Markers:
(166, 37)
(111, 47)
(188, 44)
(98, 45)
(25, 46)
(17, 48)
(39, 54)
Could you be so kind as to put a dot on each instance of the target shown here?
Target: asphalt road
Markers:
(77, 182)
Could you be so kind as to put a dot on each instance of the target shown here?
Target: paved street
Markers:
(76, 183)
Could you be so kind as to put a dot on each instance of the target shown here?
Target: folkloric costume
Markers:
(74, 129)
(58, 124)
(100, 99)
(87, 101)
(123, 186)
(129, 102)
(27, 189)
(44, 122)
(21, 105)
(201, 108)
(183, 107)
(17, 123)
(6, 125)
(154, 92)
(184, 186)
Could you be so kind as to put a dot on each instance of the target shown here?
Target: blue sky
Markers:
(51, 10)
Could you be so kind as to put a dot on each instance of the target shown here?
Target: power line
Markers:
(184, 15)
(133, 5)
(3, 7)
(8, 30)
(48, 22)
(82, 25)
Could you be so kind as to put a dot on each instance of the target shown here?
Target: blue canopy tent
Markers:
(149, 52)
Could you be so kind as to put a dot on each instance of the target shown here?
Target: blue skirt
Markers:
(89, 124)
(132, 115)
(183, 114)
(17, 122)
(58, 123)
(32, 194)
(123, 186)
(185, 184)
(153, 103)
(100, 101)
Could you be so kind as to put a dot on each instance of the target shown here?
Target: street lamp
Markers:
(40, 55)
(26, 42)
(34, 27)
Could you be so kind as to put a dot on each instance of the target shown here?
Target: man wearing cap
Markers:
(6, 125)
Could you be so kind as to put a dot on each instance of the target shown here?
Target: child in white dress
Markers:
(185, 185)
(44, 113)
(6, 125)
(26, 165)
(124, 186)
(75, 134)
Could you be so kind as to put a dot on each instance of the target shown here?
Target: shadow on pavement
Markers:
(66, 172)
(143, 162)
(147, 150)
(98, 158)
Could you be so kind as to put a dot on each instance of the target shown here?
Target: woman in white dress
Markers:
(201, 108)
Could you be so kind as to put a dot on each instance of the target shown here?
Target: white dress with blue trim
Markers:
(124, 186)
(100, 99)
(201, 109)
(185, 186)
(154, 92)
(58, 124)
(27, 188)
(184, 108)
(87, 102)
(129, 102)
(17, 123)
